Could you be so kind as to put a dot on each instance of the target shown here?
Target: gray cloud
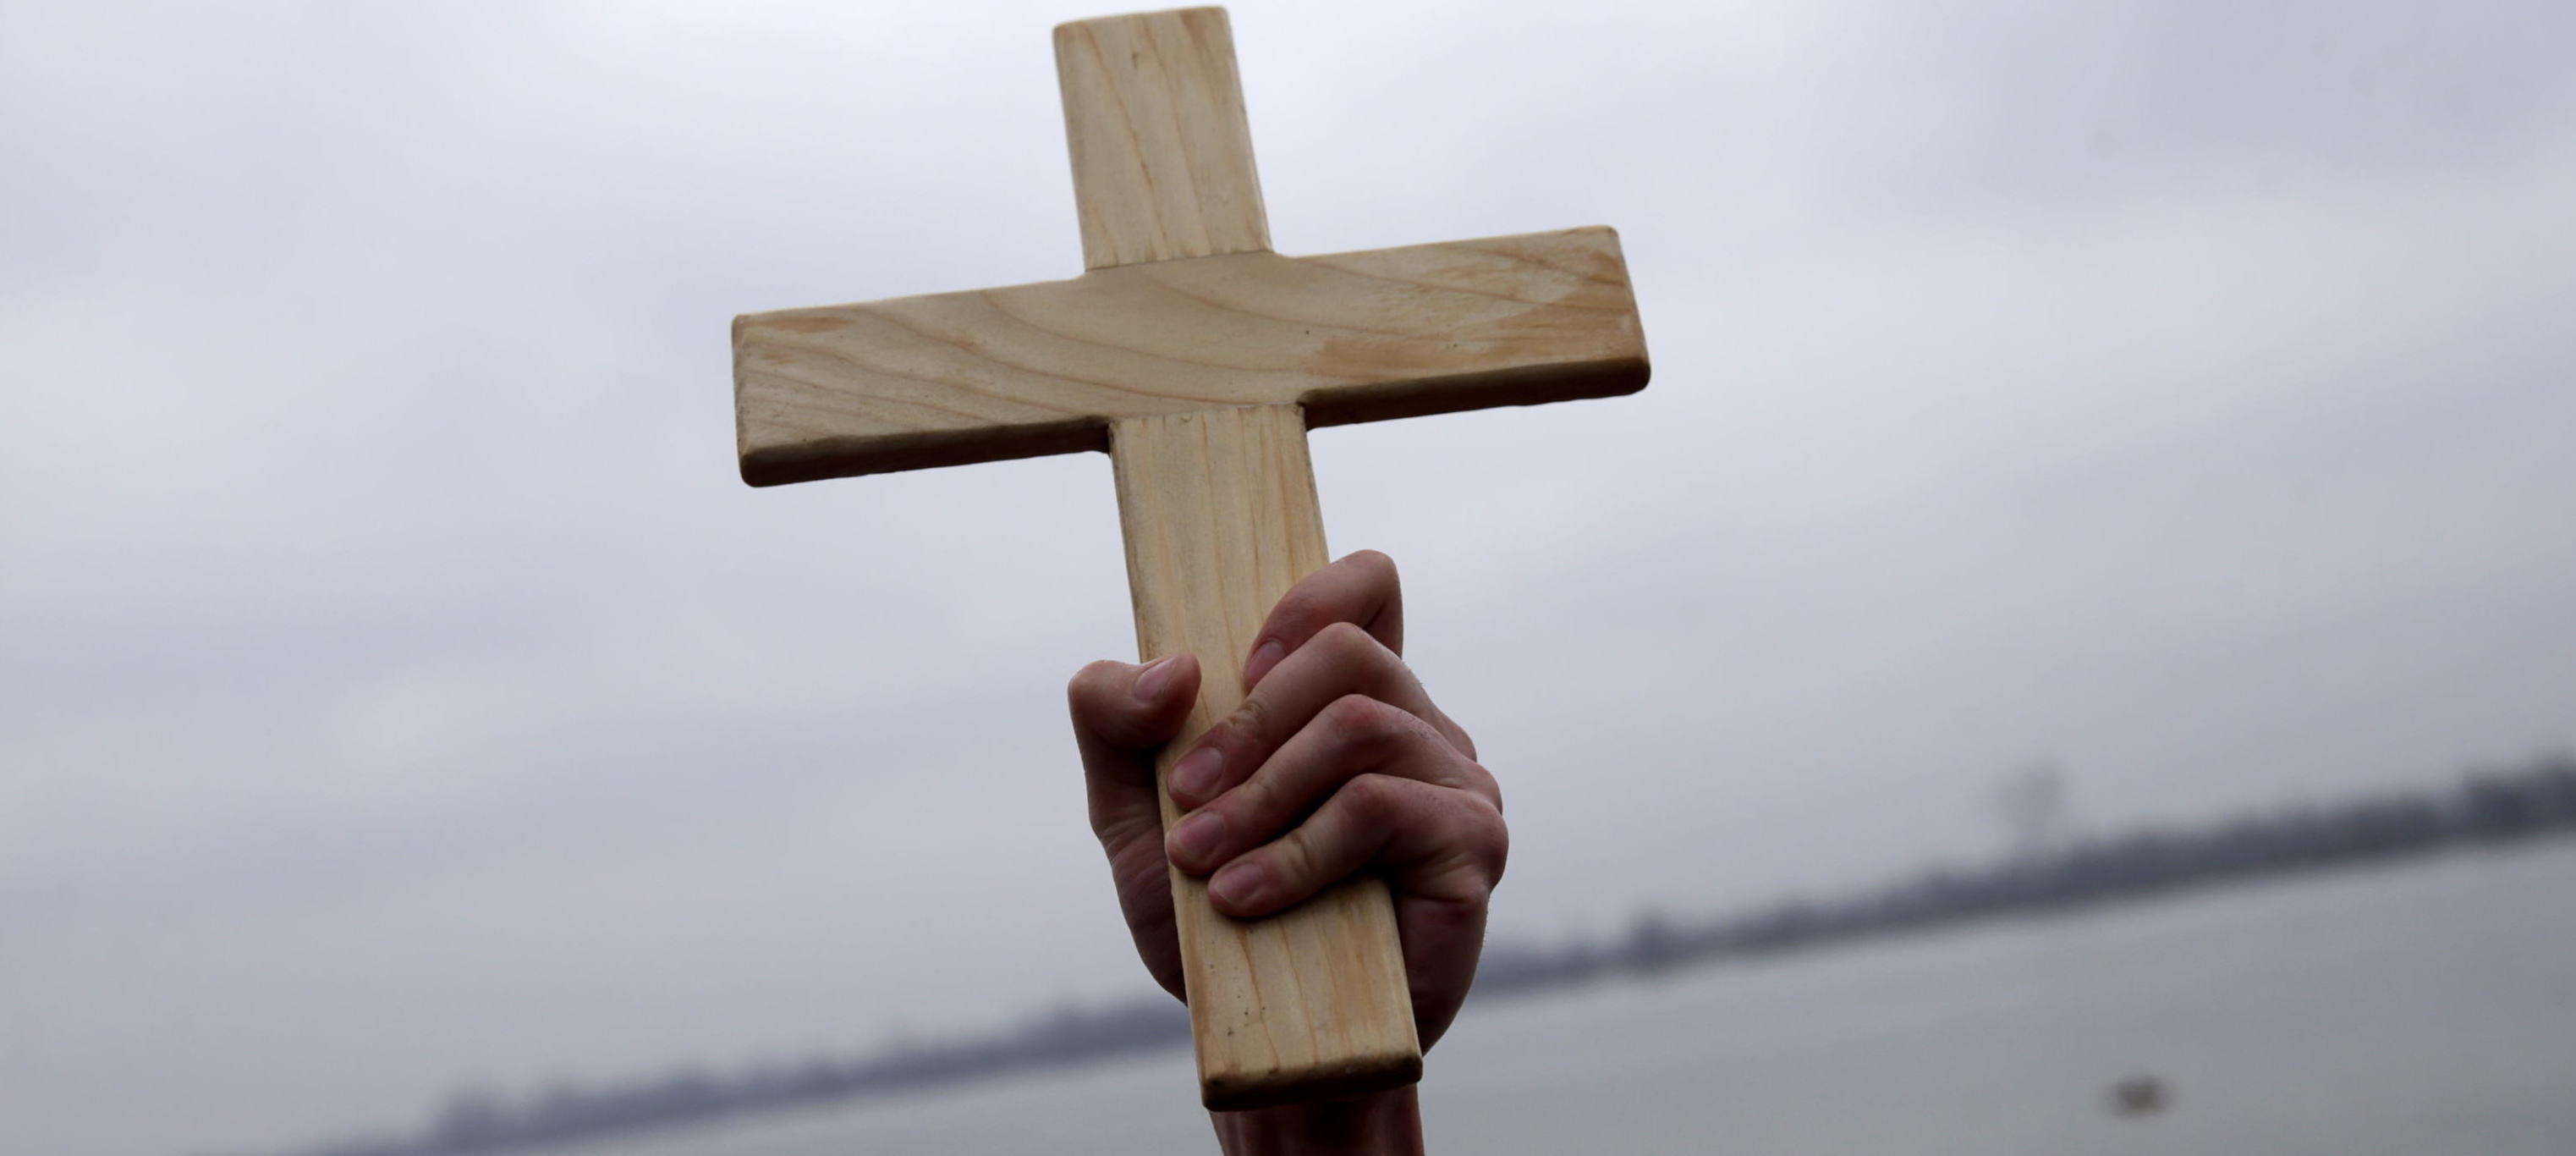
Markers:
(398, 689)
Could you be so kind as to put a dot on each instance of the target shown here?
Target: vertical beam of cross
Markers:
(1162, 153)
(1220, 517)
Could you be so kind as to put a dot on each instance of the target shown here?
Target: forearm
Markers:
(1380, 1124)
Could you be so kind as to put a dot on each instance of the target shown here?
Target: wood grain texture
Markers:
(1038, 369)
(1221, 519)
(1162, 154)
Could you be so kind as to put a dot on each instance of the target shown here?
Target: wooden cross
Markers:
(1198, 359)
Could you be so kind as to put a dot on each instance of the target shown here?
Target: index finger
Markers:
(1361, 589)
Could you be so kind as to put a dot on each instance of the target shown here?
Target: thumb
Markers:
(1121, 713)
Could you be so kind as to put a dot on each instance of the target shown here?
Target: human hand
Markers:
(1338, 762)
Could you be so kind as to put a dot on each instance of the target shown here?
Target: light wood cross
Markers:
(1198, 359)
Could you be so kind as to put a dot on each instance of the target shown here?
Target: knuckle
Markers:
(1473, 846)
(1360, 722)
(1301, 605)
(1249, 722)
(1484, 783)
(1292, 857)
(1253, 803)
(1373, 799)
(1344, 641)
(1358, 655)
(1346, 713)
(1473, 887)
(1458, 737)
(1491, 839)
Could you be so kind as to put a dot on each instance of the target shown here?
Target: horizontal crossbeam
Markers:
(1039, 369)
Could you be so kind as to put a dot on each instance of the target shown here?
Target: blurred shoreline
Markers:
(2533, 801)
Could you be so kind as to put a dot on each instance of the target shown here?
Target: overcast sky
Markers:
(399, 690)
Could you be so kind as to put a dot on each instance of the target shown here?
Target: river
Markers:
(2427, 1008)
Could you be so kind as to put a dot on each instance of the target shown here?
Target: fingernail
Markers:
(1156, 675)
(1264, 657)
(1194, 777)
(1197, 836)
(1239, 882)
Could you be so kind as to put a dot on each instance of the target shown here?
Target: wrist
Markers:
(1387, 1123)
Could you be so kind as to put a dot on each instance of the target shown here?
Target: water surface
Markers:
(2428, 1008)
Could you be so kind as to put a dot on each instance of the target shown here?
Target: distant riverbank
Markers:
(2535, 801)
